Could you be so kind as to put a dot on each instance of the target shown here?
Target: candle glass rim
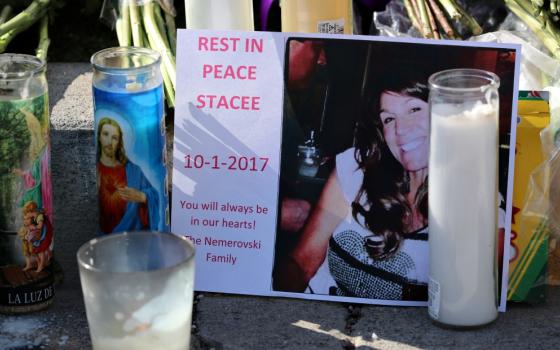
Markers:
(125, 235)
(492, 80)
(124, 51)
(35, 66)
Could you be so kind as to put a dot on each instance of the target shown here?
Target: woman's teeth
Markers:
(411, 145)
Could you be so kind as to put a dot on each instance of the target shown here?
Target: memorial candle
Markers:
(138, 290)
(317, 16)
(130, 140)
(219, 14)
(26, 201)
(463, 197)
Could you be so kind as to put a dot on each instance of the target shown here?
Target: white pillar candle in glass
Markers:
(219, 14)
(462, 187)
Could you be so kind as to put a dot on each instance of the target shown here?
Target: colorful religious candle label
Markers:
(300, 161)
(26, 205)
(131, 161)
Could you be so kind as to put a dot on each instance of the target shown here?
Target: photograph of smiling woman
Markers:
(367, 234)
(364, 232)
(382, 253)
(392, 151)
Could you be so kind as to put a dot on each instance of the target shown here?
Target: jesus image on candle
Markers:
(127, 200)
(367, 236)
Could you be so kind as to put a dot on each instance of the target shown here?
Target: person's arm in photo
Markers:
(302, 264)
(294, 214)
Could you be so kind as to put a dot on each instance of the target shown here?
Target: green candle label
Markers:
(26, 205)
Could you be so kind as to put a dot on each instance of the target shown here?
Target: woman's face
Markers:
(405, 123)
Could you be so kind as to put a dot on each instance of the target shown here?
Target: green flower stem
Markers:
(442, 20)
(537, 3)
(525, 6)
(433, 25)
(456, 12)
(168, 88)
(549, 36)
(135, 23)
(470, 22)
(450, 8)
(412, 15)
(145, 39)
(6, 38)
(44, 40)
(425, 20)
(157, 42)
(5, 14)
(171, 32)
(25, 18)
(416, 10)
(160, 23)
(123, 25)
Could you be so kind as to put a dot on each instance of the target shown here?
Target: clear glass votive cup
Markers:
(138, 290)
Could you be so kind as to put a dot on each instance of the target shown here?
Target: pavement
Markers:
(231, 321)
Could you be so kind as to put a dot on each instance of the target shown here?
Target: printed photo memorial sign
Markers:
(300, 161)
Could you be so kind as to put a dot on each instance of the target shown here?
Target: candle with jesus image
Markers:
(463, 193)
(130, 140)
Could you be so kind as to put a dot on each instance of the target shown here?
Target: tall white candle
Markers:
(462, 213)
(219, 14)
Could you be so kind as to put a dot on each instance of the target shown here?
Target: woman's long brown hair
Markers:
(385, 211)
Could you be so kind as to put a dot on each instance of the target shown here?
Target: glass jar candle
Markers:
(317, 16)
(219, 14)
(130, 140)
(26, 205)
(463, 190)
(138, 290)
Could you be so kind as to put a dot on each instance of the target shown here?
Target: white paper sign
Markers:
(267, 124)
(226, 155)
